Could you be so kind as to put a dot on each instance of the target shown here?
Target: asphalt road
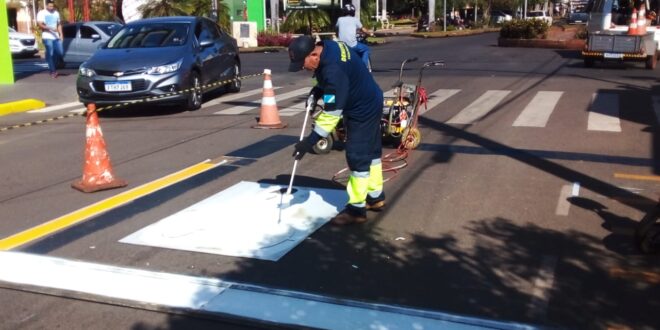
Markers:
(530, 223)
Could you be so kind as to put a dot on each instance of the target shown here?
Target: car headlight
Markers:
(14, 38)
(162, 69)
(85, 72)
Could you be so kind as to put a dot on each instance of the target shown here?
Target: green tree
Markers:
(160, 8)
(307, 21)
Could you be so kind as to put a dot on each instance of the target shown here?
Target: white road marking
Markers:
(542, 286)
(604, 113)
(563, 205)
(537, 112)
(656, 108)
(244, 108)
(479, 108)
(215, 297)
(576, 189)
(436, 98)
(56, 107)
(232, 97)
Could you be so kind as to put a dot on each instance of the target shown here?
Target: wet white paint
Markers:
(245, 220)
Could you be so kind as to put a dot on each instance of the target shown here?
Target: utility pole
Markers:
(356, 4)
(274, 15)
(431, 15)
(214, 10)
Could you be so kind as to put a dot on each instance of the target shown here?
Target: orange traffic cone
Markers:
(632, 28)
(641, 22)
(97, 172)
(269, 117)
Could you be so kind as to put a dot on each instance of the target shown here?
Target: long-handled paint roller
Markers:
(287, 195)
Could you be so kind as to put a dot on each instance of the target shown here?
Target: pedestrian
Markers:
(48, 20)
(349, 92)
(347, 28)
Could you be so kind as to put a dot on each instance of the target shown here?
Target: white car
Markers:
(22, 44)
(499, 17)
(540, 15)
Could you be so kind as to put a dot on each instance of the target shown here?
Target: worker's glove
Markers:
(301, 148)
(306, 145)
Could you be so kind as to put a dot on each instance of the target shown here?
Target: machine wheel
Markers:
(652, 61)
(323, 146)
(235, 86)
(588, 62)
(411, 138)
(195, 96)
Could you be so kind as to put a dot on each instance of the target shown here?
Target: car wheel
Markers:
(195, 95)
(60, 64)
(235, 86)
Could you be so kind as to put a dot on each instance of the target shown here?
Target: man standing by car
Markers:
(51, 35)
(350, 91)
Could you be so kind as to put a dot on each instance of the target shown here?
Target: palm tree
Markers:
(306, 20)
(159, 8)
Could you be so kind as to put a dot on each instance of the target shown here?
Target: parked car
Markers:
(578, 18)
(499, 17)
(540, 15)
(82, 39)
(152, 57)
(22, 44)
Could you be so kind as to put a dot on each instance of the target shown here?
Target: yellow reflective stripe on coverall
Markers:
(375, 177)
(357, 188)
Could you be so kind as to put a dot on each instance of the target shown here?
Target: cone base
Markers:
(116, 183)
(266, 126)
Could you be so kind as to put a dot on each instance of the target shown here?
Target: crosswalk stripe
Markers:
(479, 108)
(604, 113)
(537, 112)
(293, 110)
(656, 108)
(232, 97)
(436, 98)
(244, 108)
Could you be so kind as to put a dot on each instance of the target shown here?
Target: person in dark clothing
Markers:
(349, 92)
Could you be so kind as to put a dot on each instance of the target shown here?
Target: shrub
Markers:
(524, 29)
(266, 38)
(581, 33)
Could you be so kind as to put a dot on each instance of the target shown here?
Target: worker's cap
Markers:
(299, 48)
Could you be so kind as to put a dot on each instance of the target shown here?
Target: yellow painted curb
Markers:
(20, 106)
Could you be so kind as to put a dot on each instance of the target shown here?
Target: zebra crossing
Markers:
(603, 113)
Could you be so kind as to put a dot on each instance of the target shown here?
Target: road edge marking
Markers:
(80, 215)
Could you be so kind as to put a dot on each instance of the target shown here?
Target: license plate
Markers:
(118, 86)
(613, 55)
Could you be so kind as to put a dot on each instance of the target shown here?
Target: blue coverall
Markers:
(349, 90)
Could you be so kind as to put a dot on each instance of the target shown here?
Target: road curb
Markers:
(20, 106)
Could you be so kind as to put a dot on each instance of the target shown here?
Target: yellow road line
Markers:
(105, 205)
(637, 177)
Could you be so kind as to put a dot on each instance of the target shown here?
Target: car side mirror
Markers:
(96, 36)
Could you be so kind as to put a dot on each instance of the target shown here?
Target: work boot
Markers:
(349, 215)
(377, 203)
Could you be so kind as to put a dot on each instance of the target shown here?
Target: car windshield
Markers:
(109, 28)
(534, 14)
(11, 30)
(150, 35)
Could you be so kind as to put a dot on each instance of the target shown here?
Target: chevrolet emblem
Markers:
(118, 74)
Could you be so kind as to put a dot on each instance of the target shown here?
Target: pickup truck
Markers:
(610, 42)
